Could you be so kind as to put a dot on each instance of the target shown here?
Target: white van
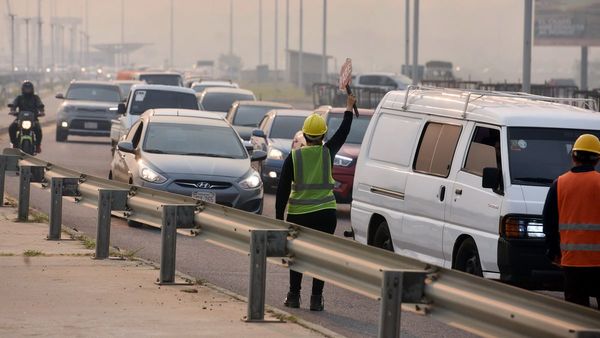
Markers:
(459, 179)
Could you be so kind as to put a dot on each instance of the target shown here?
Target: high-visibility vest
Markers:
(312, 189)
(579, 219)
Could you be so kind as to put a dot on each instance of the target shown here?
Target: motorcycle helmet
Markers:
(27, 88)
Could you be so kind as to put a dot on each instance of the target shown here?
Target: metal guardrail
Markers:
(474, 304)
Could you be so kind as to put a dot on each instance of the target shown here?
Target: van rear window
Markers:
(393, 139)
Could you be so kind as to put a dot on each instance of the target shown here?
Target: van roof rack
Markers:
(589, 103)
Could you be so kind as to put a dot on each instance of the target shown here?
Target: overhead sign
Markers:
(567, 23)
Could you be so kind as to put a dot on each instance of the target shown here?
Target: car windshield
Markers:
(87, 92)
(162, 79)
(193, 140)
(250, 116)
(357, 131)
(285, 127)
(143, 100)
(537, 156)
(223, 101)
(201, 87)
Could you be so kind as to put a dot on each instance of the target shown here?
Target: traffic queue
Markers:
(503, 186)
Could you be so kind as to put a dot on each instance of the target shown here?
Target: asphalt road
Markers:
(346, 313)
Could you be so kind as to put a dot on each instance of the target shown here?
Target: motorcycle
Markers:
(25, 135)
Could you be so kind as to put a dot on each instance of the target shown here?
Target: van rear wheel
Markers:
(467, 258)
(382, 238)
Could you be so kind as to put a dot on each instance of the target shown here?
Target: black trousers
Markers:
(14, 127)
(322, 220)
(581, 284)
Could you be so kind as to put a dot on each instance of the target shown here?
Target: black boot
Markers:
(316, 303)
(292, 300)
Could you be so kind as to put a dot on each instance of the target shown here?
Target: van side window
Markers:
(484, 151)
(436, 149)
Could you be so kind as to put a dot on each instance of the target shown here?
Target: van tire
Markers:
(382, 238)
(467, 258)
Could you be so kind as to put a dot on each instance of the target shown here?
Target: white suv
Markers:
(459, 179)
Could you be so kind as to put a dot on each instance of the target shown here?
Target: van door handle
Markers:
(442, 194)
(458, 191)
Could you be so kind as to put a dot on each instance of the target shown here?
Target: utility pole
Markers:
(40, 41)
(27, 42)
(407, 38)
(276, 36)
(121, 57)
(287, 39)
(300, 52)
(324, 60)
(230, 27)
(171, 56)
(260, 32)
(527, 47)
(584, 68)
(87, 33)
(12, 42)
(415, 67)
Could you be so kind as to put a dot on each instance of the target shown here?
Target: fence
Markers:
(477, 305)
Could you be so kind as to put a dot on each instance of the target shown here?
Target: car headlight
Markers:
(275, 154)
(149, 175)
(26, 124)
(251, 182)
(342, 161)
(522, 227)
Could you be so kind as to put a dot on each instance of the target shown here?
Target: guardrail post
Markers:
(263, 244)
(59, 187)
(174, 216)
(398, 287)
(7, 163)
(108, 200)
(28, 174)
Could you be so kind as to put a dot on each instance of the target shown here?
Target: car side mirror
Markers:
(121, 108)
(60, 96)
(10, 105)
(126, 147)
(249, 146)
(491, 178)
(258, 133)
(258, 156)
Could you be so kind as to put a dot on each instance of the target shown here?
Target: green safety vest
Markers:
(312, 189)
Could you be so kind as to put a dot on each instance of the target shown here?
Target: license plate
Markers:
(90, 125)
(209, 197)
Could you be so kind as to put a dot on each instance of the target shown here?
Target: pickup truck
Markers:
(143, 97)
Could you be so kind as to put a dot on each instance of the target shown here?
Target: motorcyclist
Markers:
(27, 101)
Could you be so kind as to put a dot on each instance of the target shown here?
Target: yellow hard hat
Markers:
(314, 125)
(587, 142)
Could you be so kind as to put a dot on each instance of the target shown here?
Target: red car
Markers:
(344, 164)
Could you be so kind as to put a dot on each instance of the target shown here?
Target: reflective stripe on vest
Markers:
(579, 218)
(312, 189)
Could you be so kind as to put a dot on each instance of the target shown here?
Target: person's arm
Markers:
(39, 105)
(550, 215)
(15, 104)
(284, 188)
(337, 140)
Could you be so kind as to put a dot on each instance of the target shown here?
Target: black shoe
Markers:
(316, 303)
(292, 300)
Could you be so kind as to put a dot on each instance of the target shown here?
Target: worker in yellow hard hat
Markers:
(572, 222)
(306, 188)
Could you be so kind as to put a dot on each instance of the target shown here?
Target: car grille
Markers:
(203, 184)
(80, 124)
(91, 110)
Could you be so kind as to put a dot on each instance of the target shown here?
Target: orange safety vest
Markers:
(579, 219)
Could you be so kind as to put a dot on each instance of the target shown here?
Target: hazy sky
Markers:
(482, 37)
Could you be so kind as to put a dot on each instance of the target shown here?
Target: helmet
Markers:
(314, 125)
(587, 142)
(27, 88)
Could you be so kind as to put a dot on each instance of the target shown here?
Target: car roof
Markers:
(226, 90)
(185, 116)
(504, 109)
(145, 86)
(158, 73)
(127, 81)
(290, 112)
(89, 82)
(213, 82)
(264, 104)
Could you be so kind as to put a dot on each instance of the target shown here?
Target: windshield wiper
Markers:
(535, 179)
(207, 155)
(154, 151)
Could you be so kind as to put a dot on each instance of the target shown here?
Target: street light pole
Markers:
(276, 36)
(40, 41)
(287, 38)
(527, 47)
(415, 67)
(407, 38)
(300, 52)
(324, 60)
(12, 42)
(27, 42)
(230, 27)
(260, 32)
(171, 57)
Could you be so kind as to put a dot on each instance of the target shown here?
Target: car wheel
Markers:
(61, 135)
(382, 238)
(467, 258)
(110, 176)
